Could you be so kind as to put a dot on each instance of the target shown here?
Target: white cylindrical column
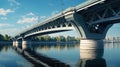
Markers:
(91, 44)
(17, 43)
(24, 45)
(14, 43)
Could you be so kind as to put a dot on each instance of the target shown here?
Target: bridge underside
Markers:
(86, 31)
(40, 33)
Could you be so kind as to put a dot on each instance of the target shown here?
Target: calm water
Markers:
(69, 54)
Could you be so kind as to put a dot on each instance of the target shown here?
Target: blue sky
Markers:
(16, 15)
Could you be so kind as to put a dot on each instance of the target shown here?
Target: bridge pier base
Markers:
(24, 45)
(15, 43)
(91, 44)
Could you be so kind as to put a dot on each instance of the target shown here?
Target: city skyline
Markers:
(17, 15)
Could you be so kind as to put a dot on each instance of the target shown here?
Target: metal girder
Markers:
(103, 12)
(52, 27)
(98, 17)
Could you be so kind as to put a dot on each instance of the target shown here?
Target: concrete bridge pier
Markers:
(24, 44)
(15, 43)
(91, 44)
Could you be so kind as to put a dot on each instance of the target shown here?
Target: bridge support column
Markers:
(91, 44)
(24, 44)
(15, 43)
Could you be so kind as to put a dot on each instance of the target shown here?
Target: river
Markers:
(59, 55)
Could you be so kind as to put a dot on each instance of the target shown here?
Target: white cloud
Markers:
(30, 14)
(4, 25)
(3, 18)
(13, 2)
(4, 12)
(54, 12)
(10, 31)
(6, 28)
(27, 20)
(42, 17)
(30, 18)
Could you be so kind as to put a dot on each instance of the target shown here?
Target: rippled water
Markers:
(9, 58)
(69, 54)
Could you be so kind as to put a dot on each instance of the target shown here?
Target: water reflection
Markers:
(58, 47)
(68, 54)
(91, 58)
(39, 60)
(112, 45)
(4, 47)
(88, 58)
(47, 46)
(8, 58)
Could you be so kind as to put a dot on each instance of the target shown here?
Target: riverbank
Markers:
(38, 42)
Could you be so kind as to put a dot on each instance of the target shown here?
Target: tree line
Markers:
(45, 38)
(5, 37)
(55, 39)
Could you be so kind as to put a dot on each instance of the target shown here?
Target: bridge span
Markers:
(90, 19)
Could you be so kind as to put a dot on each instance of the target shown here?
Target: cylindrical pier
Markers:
(91, 44)
(15, 43)
(24, 45)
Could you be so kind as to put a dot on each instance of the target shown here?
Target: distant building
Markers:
(112, 39)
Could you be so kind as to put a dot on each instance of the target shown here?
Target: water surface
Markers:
(66, 53)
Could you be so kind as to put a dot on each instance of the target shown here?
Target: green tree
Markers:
(58, 39)
(62, 38)
(6, 37)
(47, 38)
(1, 37)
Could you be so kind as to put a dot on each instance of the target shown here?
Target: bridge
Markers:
(91, 19)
